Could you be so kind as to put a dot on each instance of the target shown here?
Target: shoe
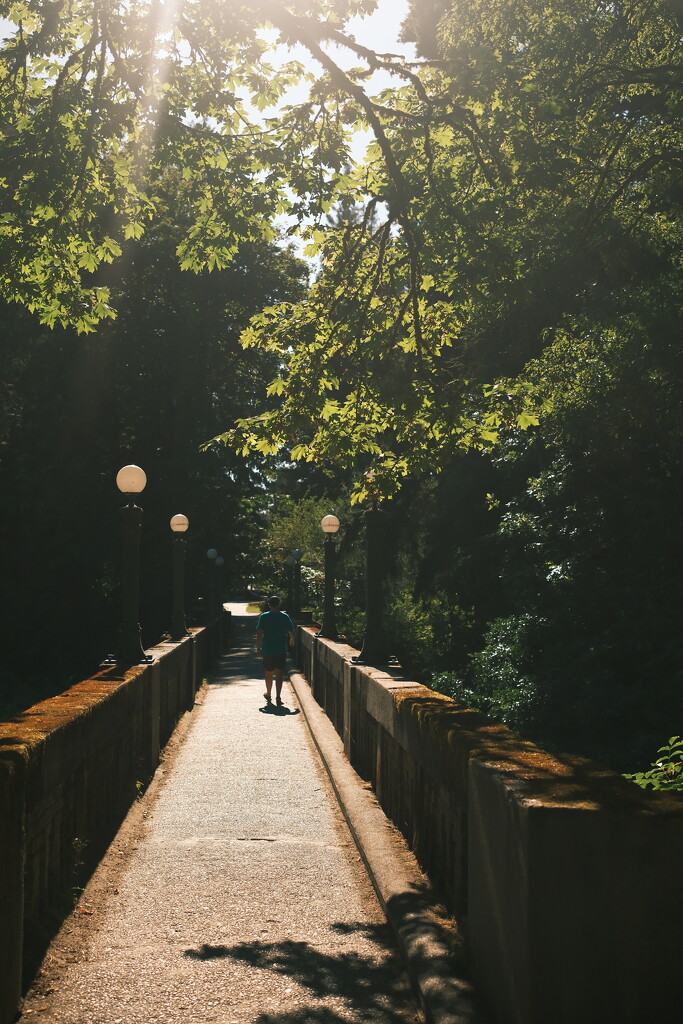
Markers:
(267, 699)
(279, 702)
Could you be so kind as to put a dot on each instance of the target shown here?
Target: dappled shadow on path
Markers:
(371, 986)
(307, 1015)
(324, 1015)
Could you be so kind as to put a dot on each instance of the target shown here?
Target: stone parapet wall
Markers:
(566, 878)
(70, 768)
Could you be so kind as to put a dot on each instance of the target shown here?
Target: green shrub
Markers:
(667, 771)
(500, 680)
(351, 623)
(420, 631)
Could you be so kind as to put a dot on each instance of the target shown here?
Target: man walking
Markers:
(272, 630)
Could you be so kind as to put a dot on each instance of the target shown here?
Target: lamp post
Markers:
(329, 525)
(212, 555)
(179, 525)
(374, 651)
(130, 480)
(290, 563)
(296, 555)
(219, 563)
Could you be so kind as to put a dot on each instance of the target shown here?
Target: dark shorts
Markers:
(274, 661)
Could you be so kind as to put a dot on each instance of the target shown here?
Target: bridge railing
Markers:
(567, 879)
(70, 768)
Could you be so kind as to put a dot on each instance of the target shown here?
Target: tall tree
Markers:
(97, 97)
(540, 172)
(148, 389)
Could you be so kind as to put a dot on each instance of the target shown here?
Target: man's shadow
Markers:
(273, 709)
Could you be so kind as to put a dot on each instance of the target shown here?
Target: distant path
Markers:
(234, 891)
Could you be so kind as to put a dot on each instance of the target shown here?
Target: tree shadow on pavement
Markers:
(372, 987)
(321, 1015)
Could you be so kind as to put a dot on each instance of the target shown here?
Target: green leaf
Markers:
(276, 388)
(526, 420)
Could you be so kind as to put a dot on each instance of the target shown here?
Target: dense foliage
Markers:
(535, 186)
(99, 97)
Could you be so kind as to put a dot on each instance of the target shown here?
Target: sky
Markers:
(378, 32)
(384, 23)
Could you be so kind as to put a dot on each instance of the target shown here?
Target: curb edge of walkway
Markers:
(426, 935)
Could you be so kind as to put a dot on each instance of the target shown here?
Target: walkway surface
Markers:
(233, 892)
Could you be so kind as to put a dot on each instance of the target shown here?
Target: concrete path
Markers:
(234, 892)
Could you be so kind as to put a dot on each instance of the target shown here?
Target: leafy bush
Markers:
(667, 771)
(312, 590)
(410, 633)
(351, 623)
(420, 631)
(499, 681)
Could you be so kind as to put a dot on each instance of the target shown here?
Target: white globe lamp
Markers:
(131, 480)
(329, 524)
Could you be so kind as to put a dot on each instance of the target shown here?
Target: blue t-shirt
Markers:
(276, 626)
